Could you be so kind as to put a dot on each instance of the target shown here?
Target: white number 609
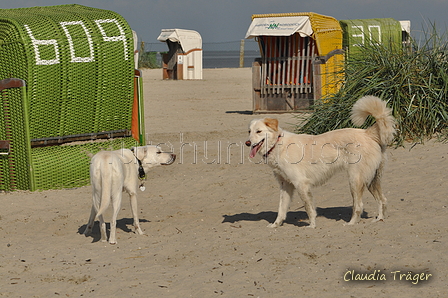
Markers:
(37, 42)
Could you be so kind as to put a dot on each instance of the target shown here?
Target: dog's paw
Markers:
(273, 225)
(88, 230)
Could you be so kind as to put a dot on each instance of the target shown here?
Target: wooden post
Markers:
(317, 81)
(257, 103)
(165, 72)
(242, 53)
(141, 54)
(180, 66)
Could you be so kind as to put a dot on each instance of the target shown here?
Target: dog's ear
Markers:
(140, 152)
(272, 123)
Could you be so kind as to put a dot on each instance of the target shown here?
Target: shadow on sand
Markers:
(122, 224)
(297, 218)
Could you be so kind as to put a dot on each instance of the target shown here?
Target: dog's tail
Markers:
(104, 202)
(102, 178)
(384, 129)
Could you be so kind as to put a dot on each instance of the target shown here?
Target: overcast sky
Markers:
(228, 20)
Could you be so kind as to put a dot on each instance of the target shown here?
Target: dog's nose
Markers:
(248, 143)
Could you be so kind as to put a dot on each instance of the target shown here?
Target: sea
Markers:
(223, 59)
(218, 54)
(227, 59)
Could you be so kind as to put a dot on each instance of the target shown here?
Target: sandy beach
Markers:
(205, 218)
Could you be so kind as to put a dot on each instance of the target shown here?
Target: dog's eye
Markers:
(258, 131)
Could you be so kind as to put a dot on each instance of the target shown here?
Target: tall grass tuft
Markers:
(413, 82)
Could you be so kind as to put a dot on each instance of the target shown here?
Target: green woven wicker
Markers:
(78, 65)
(385, 31)
(68, 172)
(14, 167)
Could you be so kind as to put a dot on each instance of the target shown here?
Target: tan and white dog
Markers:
(111, 173)
(300, 161)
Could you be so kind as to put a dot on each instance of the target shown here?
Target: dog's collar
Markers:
(272, 148)
(141, 171)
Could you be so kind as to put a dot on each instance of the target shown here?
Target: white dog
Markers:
(111, 173)
(302, 161)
